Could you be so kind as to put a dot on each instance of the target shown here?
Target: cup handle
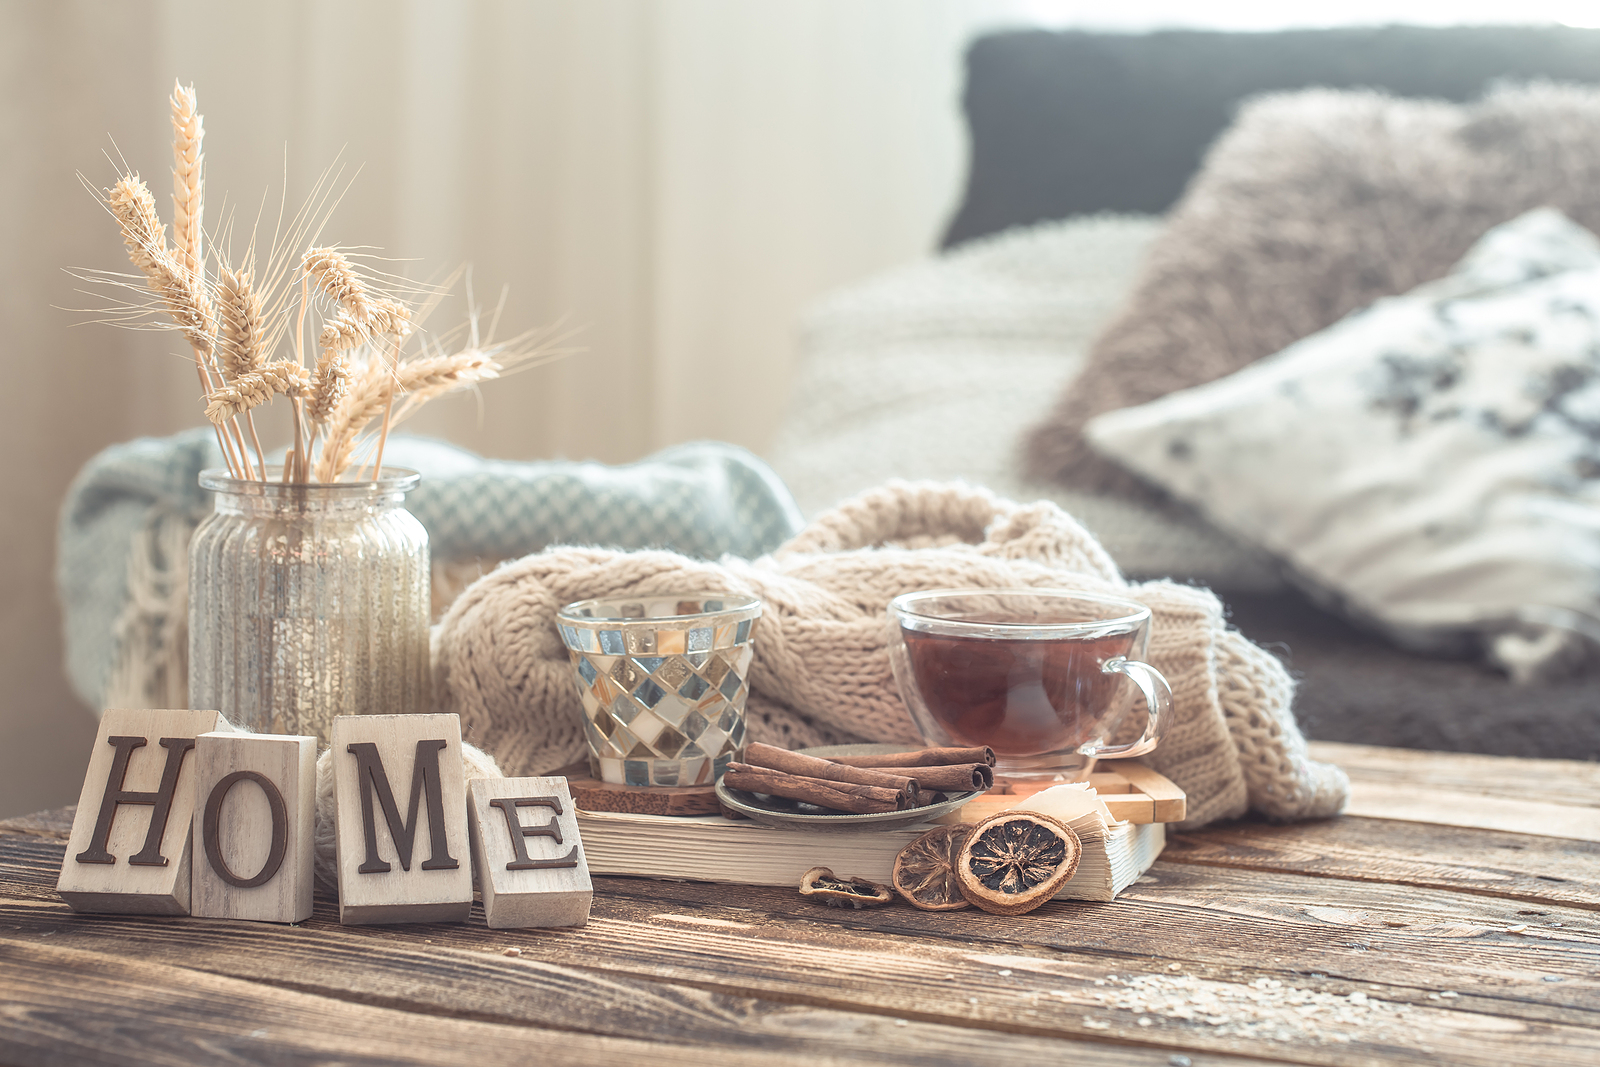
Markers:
(1158, 706)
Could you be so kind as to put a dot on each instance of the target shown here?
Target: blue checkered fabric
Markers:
(704, 500)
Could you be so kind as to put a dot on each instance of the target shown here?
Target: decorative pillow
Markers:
(931, 370)
(1432, 462)
(122, 553)
(1312, 205)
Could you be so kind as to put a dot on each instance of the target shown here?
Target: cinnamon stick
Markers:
(781, 759)
(960, 778)
(840, 796)
(922, 757)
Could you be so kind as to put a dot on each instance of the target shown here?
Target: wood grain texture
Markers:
(1548, 798)
(1355, 941)
(1170, 803)
(56, 822)
(118, 861)
(528, 853)
(403, 854)
(254, 829)
(490, 987)
(68, 1006)
(972, 970)
(593, 795)
(1493, 863)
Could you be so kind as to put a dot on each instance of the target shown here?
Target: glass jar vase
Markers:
(308, 601)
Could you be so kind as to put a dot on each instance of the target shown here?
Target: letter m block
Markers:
(130, 848)
(400, 819)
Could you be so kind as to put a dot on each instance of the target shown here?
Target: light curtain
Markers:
(670, 180)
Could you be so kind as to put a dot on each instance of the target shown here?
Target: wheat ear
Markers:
(134, 209)
(241, 340)
(328, 385)
(250, 391)
(188, 130)
(419, 379)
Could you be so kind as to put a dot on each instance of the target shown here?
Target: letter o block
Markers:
(530, 861)
(254, 816)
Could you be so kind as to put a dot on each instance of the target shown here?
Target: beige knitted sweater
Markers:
(821, 671)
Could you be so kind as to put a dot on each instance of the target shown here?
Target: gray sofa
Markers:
(935, 370)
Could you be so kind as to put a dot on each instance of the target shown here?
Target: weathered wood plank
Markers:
(1026, 984)
(1501, 776)
(1551, 798)
(1215, 921)
(491, 987)
(1417, 942)
(1414, 942)
(57, 822)
(1023, 991)
(69, 1006)
(1514, 866)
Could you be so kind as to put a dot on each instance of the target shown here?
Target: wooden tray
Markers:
(1133, 793)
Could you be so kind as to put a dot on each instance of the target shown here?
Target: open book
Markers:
(710, 848)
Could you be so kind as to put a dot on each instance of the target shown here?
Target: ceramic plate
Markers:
(778, 811)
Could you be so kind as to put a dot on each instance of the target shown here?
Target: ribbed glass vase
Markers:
(307, 602)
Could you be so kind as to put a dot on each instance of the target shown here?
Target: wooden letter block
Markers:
(254, 814)
(130, 846)
(401, 865)
(531, 867)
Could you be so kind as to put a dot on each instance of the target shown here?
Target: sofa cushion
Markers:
(931, 371)
(1313, 205)
(1431, 463)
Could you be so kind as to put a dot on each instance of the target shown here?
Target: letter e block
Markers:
(130, 846)
(400, 819)
(531, 866)
(255, 812)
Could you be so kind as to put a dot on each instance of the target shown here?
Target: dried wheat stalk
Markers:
(235, 327)
(251, 390)
(329, 385)
(420, 379)
(364, 316)
(241, 341)
(188, 130)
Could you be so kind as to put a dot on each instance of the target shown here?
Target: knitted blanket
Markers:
(123, 549)
(821, 671)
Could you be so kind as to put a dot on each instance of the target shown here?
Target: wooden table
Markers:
(1451, 919)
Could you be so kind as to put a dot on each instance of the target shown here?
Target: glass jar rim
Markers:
(393, 480)
(734, 603)
(1134, 613)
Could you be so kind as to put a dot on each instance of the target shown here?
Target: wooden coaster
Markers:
(592, 795)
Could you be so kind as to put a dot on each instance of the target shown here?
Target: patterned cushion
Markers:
(133, 506)
(1431, 463)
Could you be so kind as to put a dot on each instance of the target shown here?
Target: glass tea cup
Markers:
(1045, 677)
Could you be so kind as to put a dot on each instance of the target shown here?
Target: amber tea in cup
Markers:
(1044, 677)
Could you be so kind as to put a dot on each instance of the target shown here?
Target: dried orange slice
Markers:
(925, 870)
(822, 885)
(1014, 861)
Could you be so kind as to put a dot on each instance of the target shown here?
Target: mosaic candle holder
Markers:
(663, 680)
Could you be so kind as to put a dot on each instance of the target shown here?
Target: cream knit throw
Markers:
(821, 672)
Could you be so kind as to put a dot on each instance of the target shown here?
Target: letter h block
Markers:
(400, 819)
(531, 866)
(130, 847)
(254, 814)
